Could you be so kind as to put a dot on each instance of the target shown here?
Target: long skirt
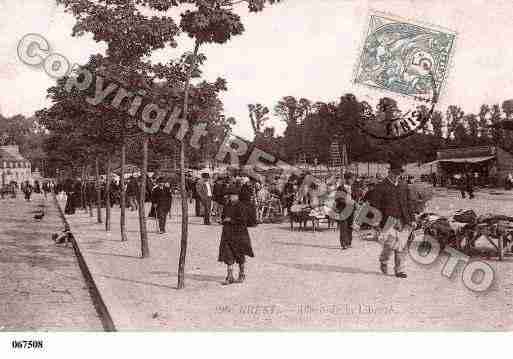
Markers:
(346, 233)
(235, 244)
(70, 205)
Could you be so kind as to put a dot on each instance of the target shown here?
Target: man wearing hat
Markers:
(204, 190)
(390, 197)
(235, 243)
(344, 199)
(161, 201)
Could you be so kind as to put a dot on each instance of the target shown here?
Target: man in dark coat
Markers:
(247, 196)
(196, 197)
(161, 201)
(204, 190)
(391, 198)
(132, 193)
(287, 197)
(71, 203)
(467, 183)
(90, 195)
(343, 200)
(218, 190)
(27, 189)
(37, 187)
(235, 243)
(46, 189)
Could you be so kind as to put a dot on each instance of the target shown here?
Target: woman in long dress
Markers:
(235, 243)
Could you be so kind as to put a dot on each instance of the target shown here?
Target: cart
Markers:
(497, 230)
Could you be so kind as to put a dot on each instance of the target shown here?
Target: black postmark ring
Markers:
(398, 126)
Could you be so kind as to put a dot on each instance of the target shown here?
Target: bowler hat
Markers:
(348, 175)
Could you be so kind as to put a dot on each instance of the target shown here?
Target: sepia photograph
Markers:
(234, 166)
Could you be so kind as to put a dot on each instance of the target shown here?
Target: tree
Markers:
(424, 113)
(345, 126)
(472, 125)
(211, 21)
(453, 117)
(495, 117)
(484, 131)
(507, 108)
(130, 35)
(437, 124)
(293, 112)
(257, 117)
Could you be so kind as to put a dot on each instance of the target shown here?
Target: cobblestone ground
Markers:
(298, 280)
(41, 285)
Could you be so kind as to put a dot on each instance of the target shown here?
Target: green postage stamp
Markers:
(404, 57)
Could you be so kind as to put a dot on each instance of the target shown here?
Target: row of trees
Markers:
(313, 125)
(83, 133)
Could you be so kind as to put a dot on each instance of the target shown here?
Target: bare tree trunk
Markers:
(82, 189)
(98, 192)
(89, 200)
(183, 191)
(145, 250)
(107, 193)
(122, 200)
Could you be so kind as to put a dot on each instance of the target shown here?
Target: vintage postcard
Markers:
(256, 165)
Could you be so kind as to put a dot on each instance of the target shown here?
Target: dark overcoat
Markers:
(392, 201)
(161, 197)
(235, 241)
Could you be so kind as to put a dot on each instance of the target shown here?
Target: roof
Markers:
(461, 160)
(11, 156)
(466, 152)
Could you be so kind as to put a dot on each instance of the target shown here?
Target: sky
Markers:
(302, 48)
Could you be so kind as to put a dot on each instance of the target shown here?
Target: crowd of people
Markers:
(27, 188)
(467, 178)
(238, 201)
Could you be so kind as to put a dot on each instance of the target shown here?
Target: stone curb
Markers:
(98, 301)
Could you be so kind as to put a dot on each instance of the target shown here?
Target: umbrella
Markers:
(504, 125)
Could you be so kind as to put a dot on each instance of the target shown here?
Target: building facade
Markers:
(490, 162)
(13, 166)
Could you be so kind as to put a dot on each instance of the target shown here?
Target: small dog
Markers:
(62, 238)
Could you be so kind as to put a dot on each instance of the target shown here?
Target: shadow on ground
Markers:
(328, 268)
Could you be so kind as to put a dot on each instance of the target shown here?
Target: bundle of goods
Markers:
(302, 213)
(320, 212)
(465, 216)
(464, 227)
(438, 227)
(493, 225)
